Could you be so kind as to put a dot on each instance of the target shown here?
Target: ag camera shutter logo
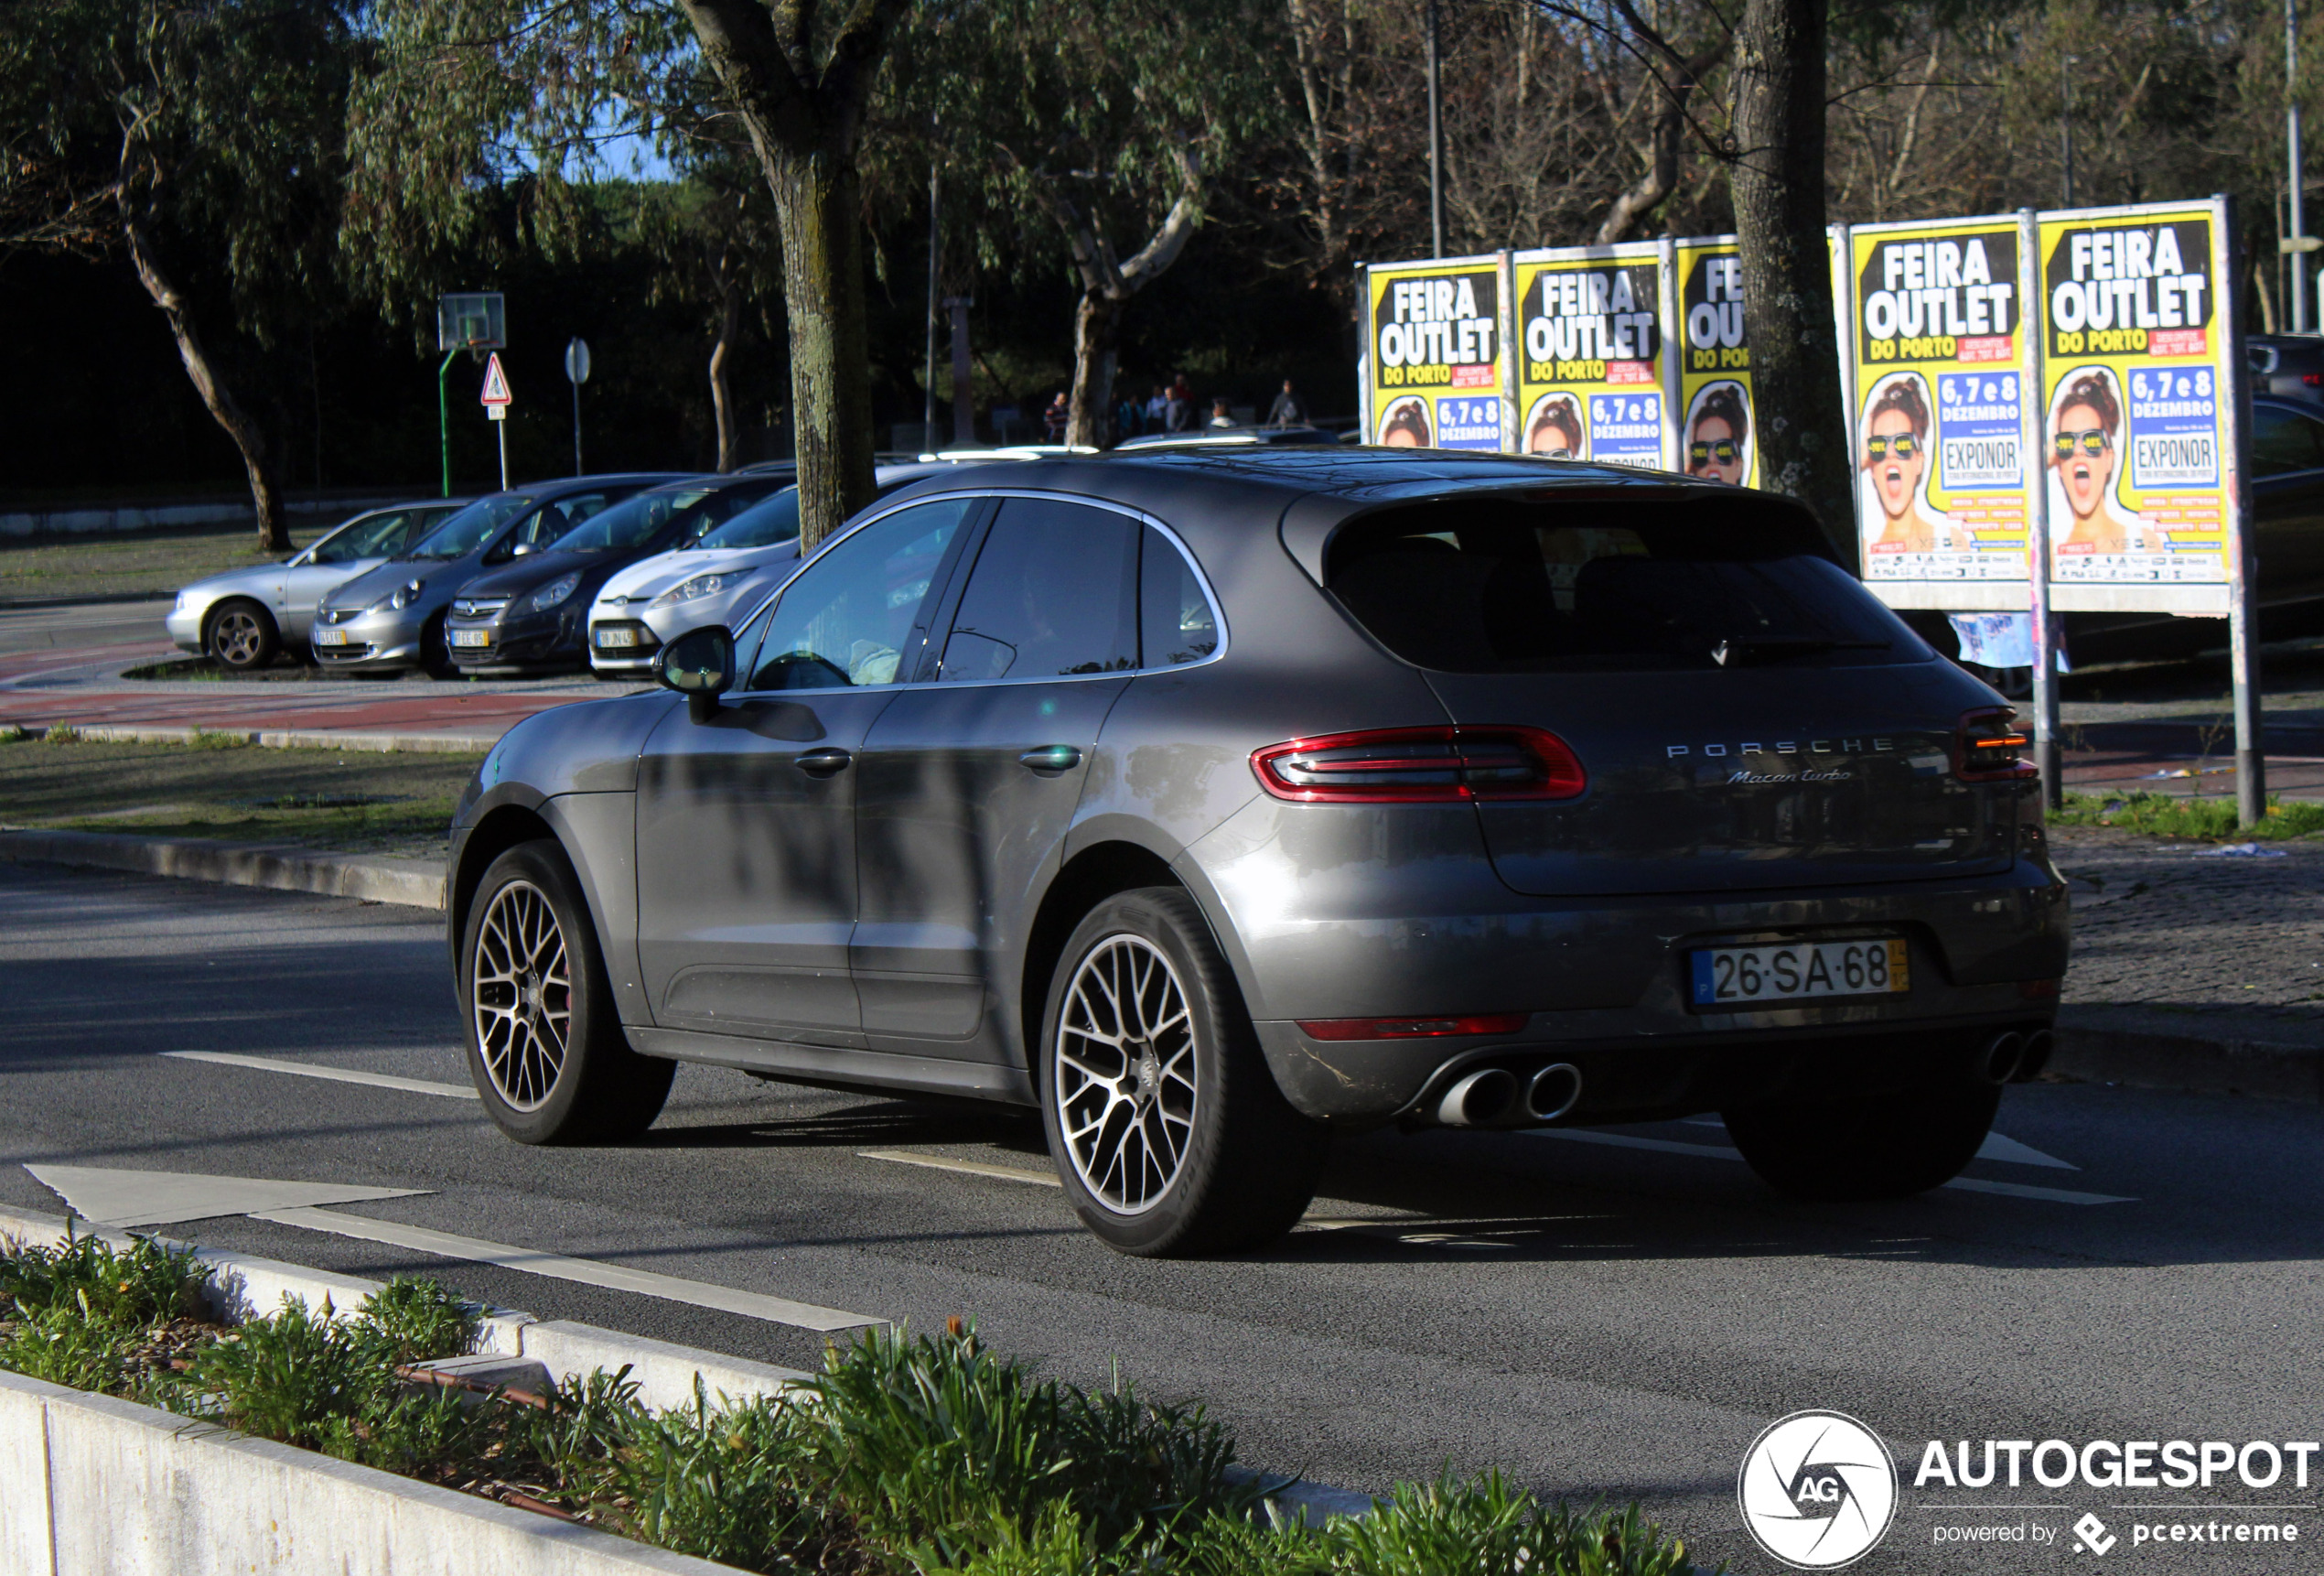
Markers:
(1817, 1490)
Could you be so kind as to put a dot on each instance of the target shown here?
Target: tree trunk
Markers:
(822, 281)
(266, 496)
(1097, 339)
(721, 398)
(1777, 184)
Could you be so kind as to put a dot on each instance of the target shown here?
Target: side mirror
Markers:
(519, 549)
(700, 665)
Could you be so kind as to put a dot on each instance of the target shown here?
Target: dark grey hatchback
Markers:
(1213, 802)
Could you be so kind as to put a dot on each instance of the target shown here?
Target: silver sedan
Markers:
(243, 617)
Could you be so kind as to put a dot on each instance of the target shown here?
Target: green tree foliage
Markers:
(201, 140)
(1107, 119)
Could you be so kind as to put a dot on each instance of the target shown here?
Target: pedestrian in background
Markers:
(1057, 417)
(1158, 411)
(1125, 417)
(1286, 411)
(1179, 415)
(1220, 415)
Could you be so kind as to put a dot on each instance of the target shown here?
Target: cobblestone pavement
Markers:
(2177, 938)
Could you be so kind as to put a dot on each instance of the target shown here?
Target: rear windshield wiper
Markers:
(1744, 653)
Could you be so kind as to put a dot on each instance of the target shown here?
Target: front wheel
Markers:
(545, 1048)
(1169, 1134)
(1872, 1146)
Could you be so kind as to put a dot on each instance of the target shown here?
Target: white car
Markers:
(729, 570)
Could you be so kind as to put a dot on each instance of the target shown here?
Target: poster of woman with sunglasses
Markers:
(2087, 515)
(1717, 445)
(1893, 460)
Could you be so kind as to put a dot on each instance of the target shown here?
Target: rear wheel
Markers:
(242, 635)
(545, 1047)
(1872, 1146)
(1169, 1132)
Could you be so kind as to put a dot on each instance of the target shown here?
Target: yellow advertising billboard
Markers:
(1944, 371)
(1434, 355)
(1592, 353)
(2138, 439)
(1717, 434)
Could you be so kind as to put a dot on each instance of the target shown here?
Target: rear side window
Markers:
(1175, 622)
(1511, 586)
(1051, 595)
(2283, 442)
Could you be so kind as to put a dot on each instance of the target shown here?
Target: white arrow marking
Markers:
(105, 1197)
(1998, 1147)
(336, 1074)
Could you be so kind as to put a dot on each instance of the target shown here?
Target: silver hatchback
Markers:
(1213, 803)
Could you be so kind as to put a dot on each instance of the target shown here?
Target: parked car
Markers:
(243, 617)
(2288, 511)
(1234, 437)
(1212, 808)
(392, 618)
(531, 615)
(2289, 366)
(704, 579)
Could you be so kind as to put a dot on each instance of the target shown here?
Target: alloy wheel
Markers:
(1124, 1073)
(236, 638)
(521, 995)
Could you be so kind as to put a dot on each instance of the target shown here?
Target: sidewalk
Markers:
(83, 689)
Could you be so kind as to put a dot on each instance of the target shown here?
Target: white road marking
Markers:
(108, 1197)
(335, 1074)
(1721, 1152)
(2000, 1147)
(966, 1168)
(585, 1271)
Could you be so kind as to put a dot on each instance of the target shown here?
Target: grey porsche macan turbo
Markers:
(1213, 802)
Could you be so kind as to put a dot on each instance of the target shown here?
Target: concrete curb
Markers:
(418, 883)
(104, 1485)
(2190, 1063)
(374, 743)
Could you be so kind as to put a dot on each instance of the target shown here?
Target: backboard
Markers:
(475, 322)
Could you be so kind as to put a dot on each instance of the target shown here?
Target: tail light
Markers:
(1409, 1028)
(1985, 748)
(2313, 380)
(1421, 766)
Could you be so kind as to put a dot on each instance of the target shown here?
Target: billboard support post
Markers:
(1844, 308)
(2242, 639)
(2048, 755)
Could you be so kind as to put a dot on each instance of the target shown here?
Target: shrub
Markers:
(2208, 820)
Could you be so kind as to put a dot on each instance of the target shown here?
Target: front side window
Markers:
(552, 521)
(2284, 442)
(846, 619)
(1175, 622)
(369, 538)
(1052, 595)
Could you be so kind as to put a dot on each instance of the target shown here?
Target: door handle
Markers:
(1052, 758)
(821, 763)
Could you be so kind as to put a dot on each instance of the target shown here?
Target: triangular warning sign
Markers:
(496, 384)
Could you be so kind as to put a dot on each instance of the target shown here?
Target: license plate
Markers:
(1801, 971)
(471, 637)
(608, 639)
(332, 638)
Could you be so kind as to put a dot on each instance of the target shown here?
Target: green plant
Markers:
(411, 1320)
(1491, 1529)
(285, 1377)
(61, 733)
(131, 1288)
(66, 1346)
(15, 733)
(2171, 815)
(207, 738)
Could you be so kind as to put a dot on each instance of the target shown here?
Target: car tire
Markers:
(1871, 1147)
(544, 1042)
(242, 635)
(1177, 1142)
(436, 650)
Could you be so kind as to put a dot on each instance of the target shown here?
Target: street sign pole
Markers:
(496, 399)
(576, 373)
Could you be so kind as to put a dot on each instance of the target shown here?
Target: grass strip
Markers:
(909, 1455)
(2172, 815)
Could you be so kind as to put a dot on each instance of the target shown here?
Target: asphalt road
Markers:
(1598, 1319)
(47, 626)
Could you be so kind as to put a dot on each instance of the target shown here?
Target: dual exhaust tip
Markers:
(1495, 1097)
(2013, 1058)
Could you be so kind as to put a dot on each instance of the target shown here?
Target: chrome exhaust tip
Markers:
(2001, 1058)
(1554, 1091)
(2034, 1057)
(1479, 1100)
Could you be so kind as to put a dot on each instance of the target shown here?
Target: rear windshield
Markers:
(632, 523)
(470, 528)
(763, 525)
(1509, 585)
